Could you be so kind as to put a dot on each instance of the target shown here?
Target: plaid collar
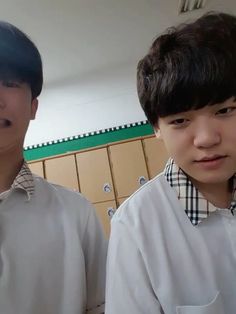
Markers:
(196, 206)
(24, 181)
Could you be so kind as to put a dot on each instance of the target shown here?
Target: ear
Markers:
(34, 107)
(157, 132)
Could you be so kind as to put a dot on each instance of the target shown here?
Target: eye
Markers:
(225, 110)
(179, 122)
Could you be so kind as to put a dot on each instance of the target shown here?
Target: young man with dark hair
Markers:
(173, 243)
(52, 248)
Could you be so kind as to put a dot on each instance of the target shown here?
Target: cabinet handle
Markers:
(106, 188)
(110, 212)
(142, 180)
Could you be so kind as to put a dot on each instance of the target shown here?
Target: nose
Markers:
(207, 135)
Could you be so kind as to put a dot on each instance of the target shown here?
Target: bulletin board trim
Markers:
(87, 140)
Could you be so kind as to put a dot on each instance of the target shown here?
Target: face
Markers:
(16, 110)
(203, 142)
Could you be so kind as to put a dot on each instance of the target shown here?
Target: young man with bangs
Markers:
(173, 243)
(52, 248)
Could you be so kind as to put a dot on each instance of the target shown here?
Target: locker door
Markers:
(121, 200)
(95, 175)
(37, 168)
(156, 155)
(128, 167)
(105, 211)
(62, 171)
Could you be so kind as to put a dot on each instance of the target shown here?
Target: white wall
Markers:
(94, 102)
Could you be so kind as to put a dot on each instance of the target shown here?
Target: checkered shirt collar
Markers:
(24, 181)
(196, 206)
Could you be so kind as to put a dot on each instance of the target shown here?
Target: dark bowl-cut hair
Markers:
(189, 67)
(20, 59)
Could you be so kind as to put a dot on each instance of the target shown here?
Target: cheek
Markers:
(175, 145)
(232, 137)
(174, 152)
(22, 115)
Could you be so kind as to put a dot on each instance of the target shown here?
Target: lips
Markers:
(4, 123)
(211, 163)
(211, 158)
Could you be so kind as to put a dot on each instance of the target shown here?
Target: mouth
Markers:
(5, 123)
(212, 158)
(210, 163)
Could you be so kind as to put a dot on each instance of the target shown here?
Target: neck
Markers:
(10, 165)
(220, 195)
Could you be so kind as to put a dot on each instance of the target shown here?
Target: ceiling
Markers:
(78, 37)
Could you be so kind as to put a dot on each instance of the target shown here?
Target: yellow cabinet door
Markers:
(62, 171)
(37, 168)
(95, 175)
(156, 155)
(121, 200)
(128, 167)
(105, 211)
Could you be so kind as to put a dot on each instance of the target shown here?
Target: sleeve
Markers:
(128, 288)
(95, 251)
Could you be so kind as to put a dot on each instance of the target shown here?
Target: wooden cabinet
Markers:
(128, 167)
(121, 200)
(105, 211)
(107, 176)
(156, 155)
(62, 170)
(95, 175)
(37, 168)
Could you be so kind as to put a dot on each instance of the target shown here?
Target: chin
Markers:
(212, 179)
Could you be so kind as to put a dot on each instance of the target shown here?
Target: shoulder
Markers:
(152, 200)
(69, 207)
(50, 194)
(42, 185)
